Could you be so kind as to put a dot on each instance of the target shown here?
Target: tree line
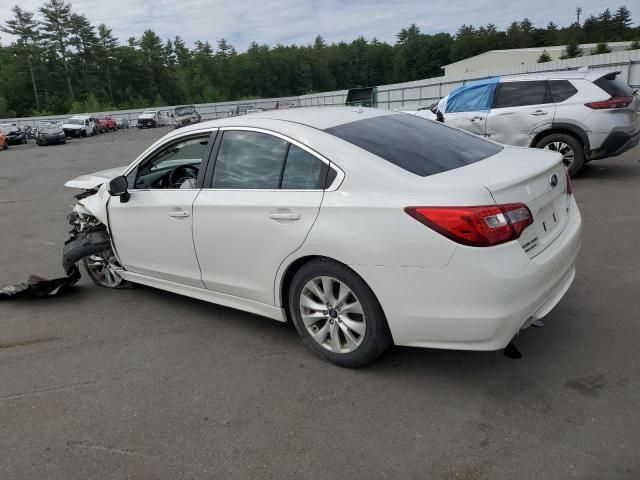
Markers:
(61, 63)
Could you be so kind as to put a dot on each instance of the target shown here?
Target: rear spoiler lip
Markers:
(593, 75)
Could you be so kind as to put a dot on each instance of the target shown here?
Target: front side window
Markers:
(517, 94)
(175, 166)
(249, 160)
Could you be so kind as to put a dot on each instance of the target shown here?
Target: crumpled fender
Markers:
(95, 205)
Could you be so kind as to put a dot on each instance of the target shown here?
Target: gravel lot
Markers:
(145, 384)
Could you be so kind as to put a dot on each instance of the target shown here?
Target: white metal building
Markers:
(515, 57)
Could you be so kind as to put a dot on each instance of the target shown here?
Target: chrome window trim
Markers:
(331, 188)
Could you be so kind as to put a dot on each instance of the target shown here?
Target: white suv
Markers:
(585, 115)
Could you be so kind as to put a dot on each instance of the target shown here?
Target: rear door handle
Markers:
(179, 214)
(477, 119)
(285, 216)
(539, 112)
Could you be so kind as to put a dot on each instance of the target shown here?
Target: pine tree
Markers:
(600, 49)
(106, 50)
(25, 28)
(572, 50)
(56, 32)
(544, 57)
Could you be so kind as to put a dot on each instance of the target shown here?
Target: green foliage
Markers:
(61, 63)
(572, 50)
(600, 49)
(635, 45)
(544, 57)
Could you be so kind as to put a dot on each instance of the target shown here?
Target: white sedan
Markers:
(363, 227)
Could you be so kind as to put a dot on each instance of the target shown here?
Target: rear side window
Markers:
(517, 94)
(614, 86)
(249, 160)
(561, 90)
(303, 171)
(415, 144)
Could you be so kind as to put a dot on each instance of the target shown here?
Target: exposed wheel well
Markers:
(573, 132)
(291, 271)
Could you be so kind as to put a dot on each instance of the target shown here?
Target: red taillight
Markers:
(569, 186)
(476, 226)
(613, 102)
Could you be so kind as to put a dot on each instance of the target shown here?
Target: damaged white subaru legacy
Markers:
(363, 227)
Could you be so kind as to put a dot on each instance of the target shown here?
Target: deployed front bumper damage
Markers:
(87, 237)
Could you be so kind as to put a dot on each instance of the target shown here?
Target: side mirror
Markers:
(118, 187)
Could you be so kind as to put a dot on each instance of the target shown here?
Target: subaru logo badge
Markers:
(553, 181)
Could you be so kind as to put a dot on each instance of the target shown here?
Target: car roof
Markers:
(315, 117)
(586, 74)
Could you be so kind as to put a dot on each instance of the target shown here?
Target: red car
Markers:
(108, 122)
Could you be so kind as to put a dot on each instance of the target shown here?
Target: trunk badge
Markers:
(553, 181)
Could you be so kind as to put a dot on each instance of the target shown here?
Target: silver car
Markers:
(584, 115)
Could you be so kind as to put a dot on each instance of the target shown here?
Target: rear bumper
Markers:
(616, 143)
(482, 298)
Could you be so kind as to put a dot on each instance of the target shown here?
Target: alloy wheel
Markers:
(103, 268)
(568, 155)
(332, 314)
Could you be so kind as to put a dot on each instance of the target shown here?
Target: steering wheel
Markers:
(181, 174)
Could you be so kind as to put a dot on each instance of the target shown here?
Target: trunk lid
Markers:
(534, 177)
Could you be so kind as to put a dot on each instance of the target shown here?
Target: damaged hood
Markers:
(72, 126)
(144, 116)
(93, 180)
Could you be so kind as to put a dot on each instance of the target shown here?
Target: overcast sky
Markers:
(299, 21)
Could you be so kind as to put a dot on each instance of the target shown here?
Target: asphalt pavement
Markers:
(145, 384)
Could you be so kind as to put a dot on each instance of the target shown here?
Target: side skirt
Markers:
(231, 301)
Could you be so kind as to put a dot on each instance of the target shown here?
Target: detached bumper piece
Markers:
(78, 246)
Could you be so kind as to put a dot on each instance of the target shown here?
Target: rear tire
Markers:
(571, 149)
(343, 321)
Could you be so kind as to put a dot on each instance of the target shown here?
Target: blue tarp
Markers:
(473, 97)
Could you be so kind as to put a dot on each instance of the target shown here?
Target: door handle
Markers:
(539, 112)
(285, 216)
(477, 119)
(179, 214)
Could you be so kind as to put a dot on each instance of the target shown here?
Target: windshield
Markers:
(48, 127)
(185, 110)
(76, 121)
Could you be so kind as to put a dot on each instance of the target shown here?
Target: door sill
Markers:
(207, 295)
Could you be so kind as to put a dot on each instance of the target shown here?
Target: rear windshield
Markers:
(415, 144)
(614, 86)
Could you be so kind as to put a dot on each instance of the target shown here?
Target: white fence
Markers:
(421, 92)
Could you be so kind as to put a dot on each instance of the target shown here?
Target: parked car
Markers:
(3, 140)
(98, 127)
(363, 227)
(14, 134)
(153, 119)
(584, 115)
(122, 122)
(80, 126)
(183, 116)
(107, 122)
(48, 133)
(29, 131)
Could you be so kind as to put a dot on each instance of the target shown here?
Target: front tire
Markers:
(337, 315)
(569, 147)
(101, 268)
